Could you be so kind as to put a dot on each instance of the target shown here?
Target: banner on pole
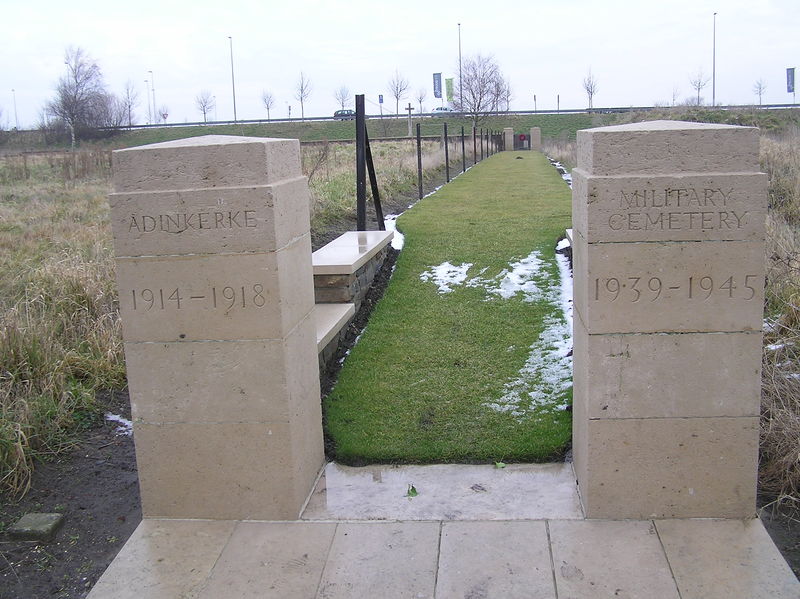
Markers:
(448, 83)
(790, 80)
(437, 85)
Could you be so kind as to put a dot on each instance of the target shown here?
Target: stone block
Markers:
(669, 287)
(259, 380)
(216, 297)
(323, 281)
(536, 139)
(228, 470)
(668, 147)
(206, 161)
(679, 207)
(36, 526)
(665, 375)
(334, 295)
(670, 468)
(200, 221)
(508, 138)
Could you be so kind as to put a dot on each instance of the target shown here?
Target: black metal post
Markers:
(474, 146)
(419, 161)
(361, 163)
(481, 143)
(463, 152)
(373, 182)
(446, 155)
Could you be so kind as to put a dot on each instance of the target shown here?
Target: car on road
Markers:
(443, 111)
(344, 115)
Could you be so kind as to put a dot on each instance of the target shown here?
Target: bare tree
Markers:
(698, 82)
(82, 103)
(163, 112)
(422, 93)
(268, 100)
(342, 96)
(205, 103)
(303, 92)
(130, 99)
(398, 85)
(759, 88)
(483, 86)
(590, 87)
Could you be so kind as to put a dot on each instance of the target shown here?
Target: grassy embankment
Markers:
(558, 126)
(59, 324)
(418, 385)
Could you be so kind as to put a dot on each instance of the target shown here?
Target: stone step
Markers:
(330, 319)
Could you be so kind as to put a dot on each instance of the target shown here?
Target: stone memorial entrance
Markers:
(668, 253)
(216, 294)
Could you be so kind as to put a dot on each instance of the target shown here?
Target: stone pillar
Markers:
(216, 296)
(508, 138)
(669, 225)
(536, 139)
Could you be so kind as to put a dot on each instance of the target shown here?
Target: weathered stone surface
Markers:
(216, 297)
(212, 220)
(669, 287)
(662, 375)
(668, 254)
(207, 161)
(219, 332)
(536, 139)
(670, 468)
(679, 207)
(36, 526)
(668, 147)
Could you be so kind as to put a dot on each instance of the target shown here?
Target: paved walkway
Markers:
(472, 532)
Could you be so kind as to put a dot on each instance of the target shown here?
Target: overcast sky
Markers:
(640, 52)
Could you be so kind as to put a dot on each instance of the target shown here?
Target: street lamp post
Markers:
(460, 78)
(233, 82)
(714, 65)
(147, 95)
(16, 118)
(153, 88)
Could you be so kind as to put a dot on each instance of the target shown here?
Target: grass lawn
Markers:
(420, 384)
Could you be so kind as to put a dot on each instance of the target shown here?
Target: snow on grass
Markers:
(125, 426)
(446, 276)
(398, 240)
(545, 379)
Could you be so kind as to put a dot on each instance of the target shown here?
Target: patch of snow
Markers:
(770, 326)
(563, 244)
(125, 426)
(794, 375)
(390, 222)
(775, 346)
(520, 279)
(565, 288)
(446, 276)
(545, 376)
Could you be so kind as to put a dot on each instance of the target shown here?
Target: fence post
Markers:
(361, 163)
(446, 155)
(474, 146)
(481, 143)
(419, 161)
(463, 152)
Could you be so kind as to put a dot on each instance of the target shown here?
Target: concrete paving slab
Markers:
(268, 560)
(394, 560)
(446, 492)
(606, 558)
(164, 559)
(495, 559)
(719, 559)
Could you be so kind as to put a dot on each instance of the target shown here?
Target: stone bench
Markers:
(344, 268)
(343, 272)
